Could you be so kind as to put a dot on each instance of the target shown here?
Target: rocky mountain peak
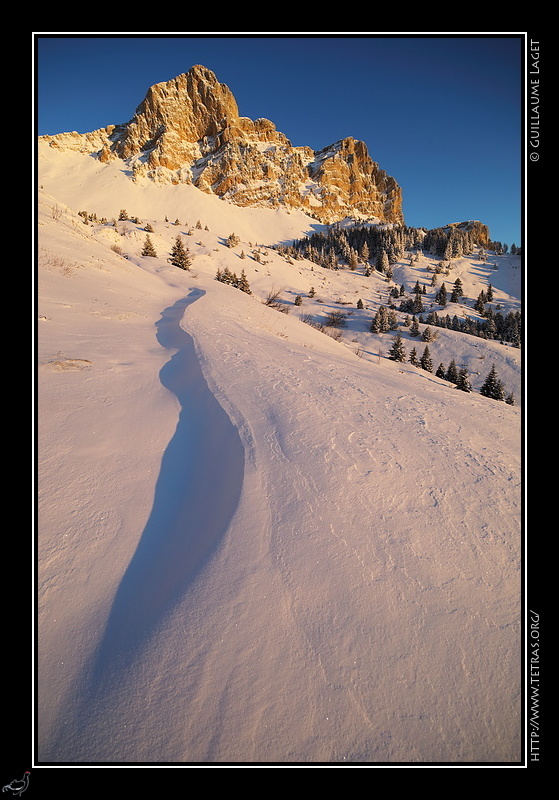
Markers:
(188, 108)
(188, 130)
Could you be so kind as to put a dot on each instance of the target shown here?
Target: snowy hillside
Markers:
(259, 540)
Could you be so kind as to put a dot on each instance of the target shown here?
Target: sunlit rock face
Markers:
(188, 130)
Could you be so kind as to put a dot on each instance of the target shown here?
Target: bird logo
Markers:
(18, 786)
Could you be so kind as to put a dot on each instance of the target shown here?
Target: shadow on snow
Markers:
(196, 495)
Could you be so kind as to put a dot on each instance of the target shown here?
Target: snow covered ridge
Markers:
(267, 528)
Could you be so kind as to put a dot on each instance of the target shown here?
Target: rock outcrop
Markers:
(188, 130)
(479, 231)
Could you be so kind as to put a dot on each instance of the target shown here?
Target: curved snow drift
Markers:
(196, 495)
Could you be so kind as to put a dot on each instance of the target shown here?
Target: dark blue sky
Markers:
(440, 113)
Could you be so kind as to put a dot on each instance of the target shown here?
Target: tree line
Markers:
(492, 386)
(372, 243)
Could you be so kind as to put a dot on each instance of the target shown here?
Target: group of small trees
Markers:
(483, 298)
(182, 258)
(415, 306)
(384, 320)
(451, 243)
(492, 387)
(232, 240)
(231, 278)
(459, 378)
(357, 245)
(383, 246)
(397, 352)
(180, 254)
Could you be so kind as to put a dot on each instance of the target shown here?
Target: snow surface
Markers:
(255, 546)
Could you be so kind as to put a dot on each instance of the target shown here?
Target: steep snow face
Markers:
(255, 546)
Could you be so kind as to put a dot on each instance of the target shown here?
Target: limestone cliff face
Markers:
(188, 130)
(348, 177)
(478, 229)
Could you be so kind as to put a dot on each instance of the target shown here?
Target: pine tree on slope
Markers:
(463, 381)
(425, 361)
(397, 352)
(492, 386)
(452, 372)
(149, 249)
(180, 255)
(242, 283)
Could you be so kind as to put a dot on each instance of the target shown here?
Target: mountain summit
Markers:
(188, 130)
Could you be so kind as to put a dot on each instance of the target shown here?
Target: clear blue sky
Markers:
(441, 113)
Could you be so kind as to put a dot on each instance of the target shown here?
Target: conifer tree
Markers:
(180, 255)
(397, 352)
(463, 381)
(433, 319)
(380, 323)
(382, 263)
(352, 261)
(413, 358)
(232, 240)
(492, 386)
(149, 249)
(479, 305)
(226, 276)
(441, 297)
(428, 335)
(425, 361)
(440, 373)
(490, 328)
(417, 305)
(242, 283)
(414, 327)
(452, 372)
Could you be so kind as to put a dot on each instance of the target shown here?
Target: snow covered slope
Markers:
(258, 544)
